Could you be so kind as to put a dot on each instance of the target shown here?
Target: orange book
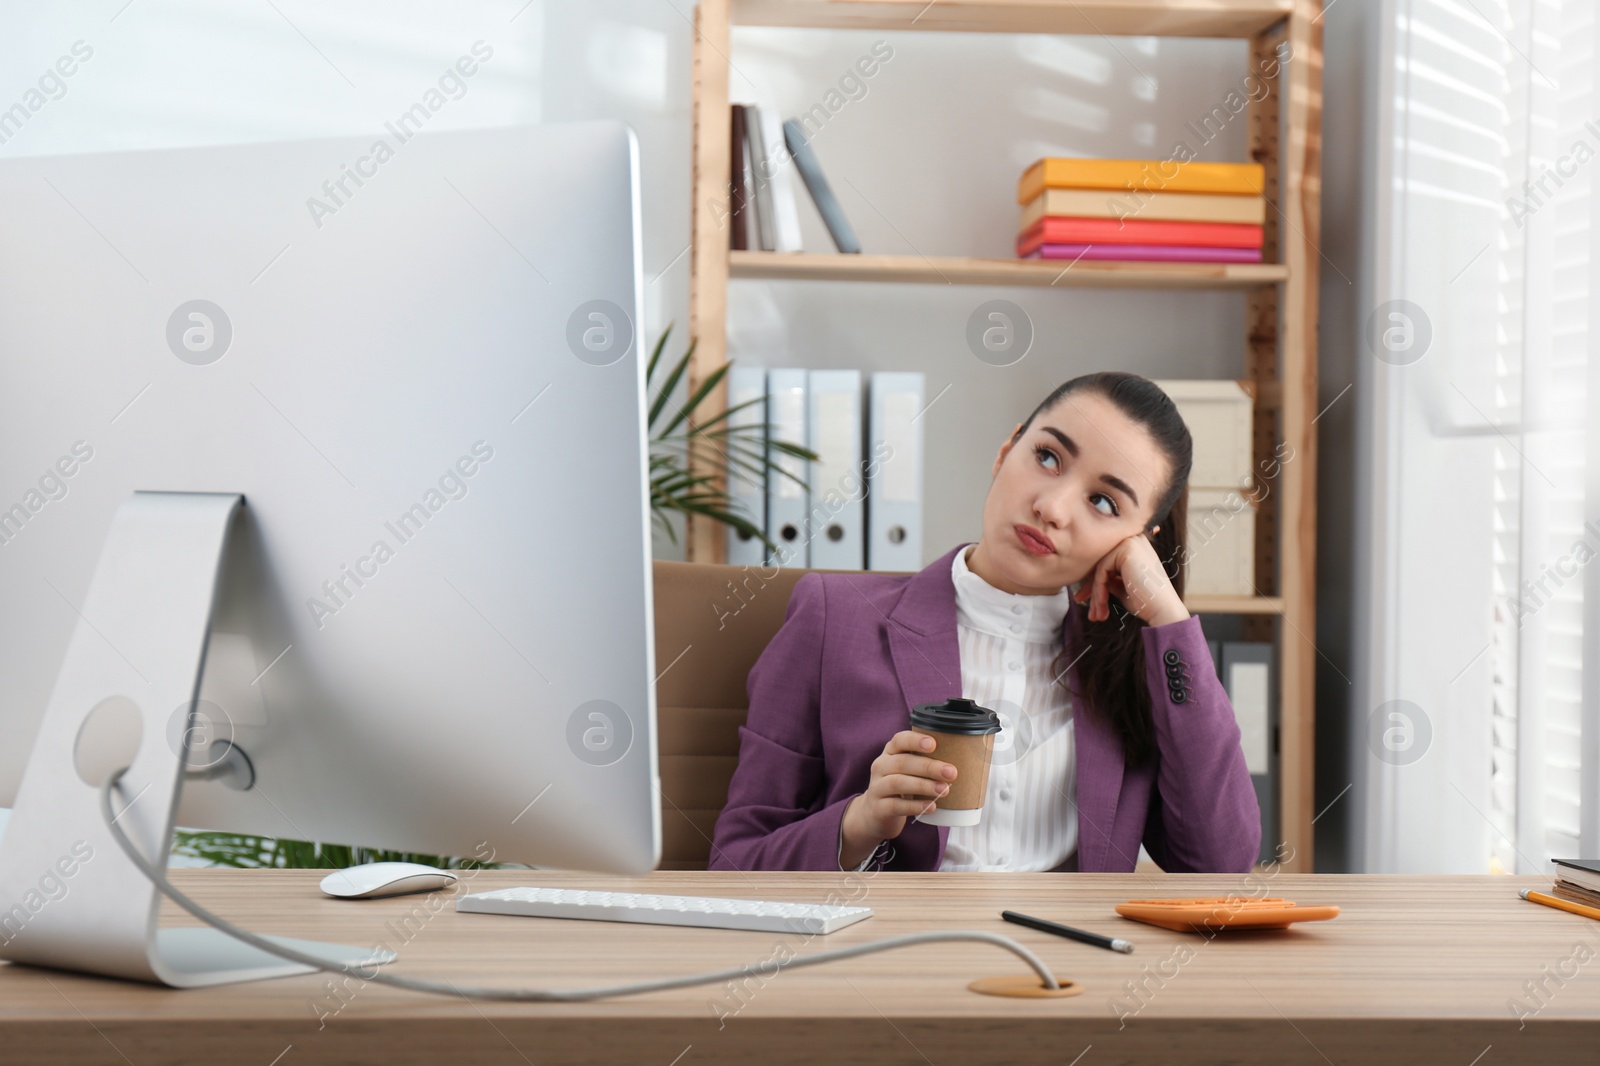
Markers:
(1149, 175)
(1158, 206)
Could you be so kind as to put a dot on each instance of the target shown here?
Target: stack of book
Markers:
(1578, 881)
(1142, 210)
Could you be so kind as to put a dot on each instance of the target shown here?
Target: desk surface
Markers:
(1427, 967)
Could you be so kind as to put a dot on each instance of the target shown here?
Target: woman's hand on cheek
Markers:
(1132, 572)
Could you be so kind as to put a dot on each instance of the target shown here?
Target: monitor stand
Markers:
(69, 898)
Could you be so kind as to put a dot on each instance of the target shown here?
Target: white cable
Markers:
(573, 995)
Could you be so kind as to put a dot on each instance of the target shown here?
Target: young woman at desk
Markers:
(1069, 612)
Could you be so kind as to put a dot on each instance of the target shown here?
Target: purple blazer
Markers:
(857, 651)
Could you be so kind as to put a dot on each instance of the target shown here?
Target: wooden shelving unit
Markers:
(1279, 347)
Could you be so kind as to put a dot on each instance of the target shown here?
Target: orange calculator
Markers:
(1222, 912)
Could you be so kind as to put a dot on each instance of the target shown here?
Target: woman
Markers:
(1068, 618)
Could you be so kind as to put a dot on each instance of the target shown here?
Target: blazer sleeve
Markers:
(1204, 817)
(774, 818)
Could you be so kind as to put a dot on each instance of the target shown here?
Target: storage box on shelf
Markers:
(1221, 549)
(1218, 414)
(1221, 546)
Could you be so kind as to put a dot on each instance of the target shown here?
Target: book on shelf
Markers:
(1156, 206)
(1146, 253)
(1057, 229)
(755, 159)
(778, 176)
(1143, 175)
(738, 192)
(805, 160)
(753, 237)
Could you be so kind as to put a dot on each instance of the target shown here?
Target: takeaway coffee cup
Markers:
(965, 738)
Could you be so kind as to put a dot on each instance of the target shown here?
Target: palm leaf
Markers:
(692, 459)
(664, 394)
(655, 353)
(711, 381)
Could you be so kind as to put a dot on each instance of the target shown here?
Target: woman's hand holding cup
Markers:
(906, 781)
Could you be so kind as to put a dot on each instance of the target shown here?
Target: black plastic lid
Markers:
(960, 716)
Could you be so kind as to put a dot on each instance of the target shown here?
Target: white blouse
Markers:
(1008, 644)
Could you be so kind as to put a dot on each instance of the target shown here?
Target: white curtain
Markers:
(1477, 730)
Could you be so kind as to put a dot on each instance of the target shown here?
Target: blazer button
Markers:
(1172, 656)
(1178, 696)
(1174, 670)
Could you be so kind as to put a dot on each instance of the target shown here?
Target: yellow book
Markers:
(1150, 175)
(1163, 206)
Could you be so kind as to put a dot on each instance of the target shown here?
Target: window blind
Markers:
(1540, 543)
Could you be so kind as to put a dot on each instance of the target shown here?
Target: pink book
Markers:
(1162, 253)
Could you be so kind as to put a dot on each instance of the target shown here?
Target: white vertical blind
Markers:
(1507, 544)
(1541, 375)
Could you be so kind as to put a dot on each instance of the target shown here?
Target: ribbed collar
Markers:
(990, 610)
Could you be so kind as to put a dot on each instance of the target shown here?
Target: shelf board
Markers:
(1234, 604)
(955, 270)
(1139, 18)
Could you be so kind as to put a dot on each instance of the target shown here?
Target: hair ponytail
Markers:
(1109, 657)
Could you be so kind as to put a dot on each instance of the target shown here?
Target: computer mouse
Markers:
(376, 879)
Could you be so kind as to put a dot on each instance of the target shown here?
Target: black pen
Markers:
(1110, 943)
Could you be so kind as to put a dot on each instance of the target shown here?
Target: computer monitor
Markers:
(352, 430)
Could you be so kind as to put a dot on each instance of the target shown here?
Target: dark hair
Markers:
(1110, 663)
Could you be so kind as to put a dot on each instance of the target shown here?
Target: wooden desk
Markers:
(1415, 969)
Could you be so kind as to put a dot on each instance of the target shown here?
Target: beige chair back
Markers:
(712, 624)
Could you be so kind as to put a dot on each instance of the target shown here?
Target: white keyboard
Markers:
(762, 916)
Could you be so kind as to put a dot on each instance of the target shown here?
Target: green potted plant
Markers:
(680, 445)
